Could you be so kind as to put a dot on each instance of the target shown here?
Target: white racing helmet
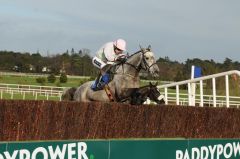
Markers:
(120, 44)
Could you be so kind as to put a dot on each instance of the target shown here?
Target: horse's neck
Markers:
(131, 66)
(144, 90)
(127, 77)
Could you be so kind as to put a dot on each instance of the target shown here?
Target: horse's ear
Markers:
(149, 47)
(142, 49)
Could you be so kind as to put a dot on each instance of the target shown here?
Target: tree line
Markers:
(71, 63)
(80, 63)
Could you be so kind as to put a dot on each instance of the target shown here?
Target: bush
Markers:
(63, 78)
(41, 80)
(51, 78)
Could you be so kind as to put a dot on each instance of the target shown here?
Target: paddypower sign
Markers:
(123, 149)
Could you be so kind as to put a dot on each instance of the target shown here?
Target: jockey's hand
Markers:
(122, 58)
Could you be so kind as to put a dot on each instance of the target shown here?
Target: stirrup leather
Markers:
(109, 93)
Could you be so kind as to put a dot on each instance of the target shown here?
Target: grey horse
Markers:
(126, 77)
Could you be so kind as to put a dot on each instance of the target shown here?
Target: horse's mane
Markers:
(142, 87)
(134, 53)
(129, 58)
(140, 51)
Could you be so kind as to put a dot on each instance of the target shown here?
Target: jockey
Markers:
(108, 54)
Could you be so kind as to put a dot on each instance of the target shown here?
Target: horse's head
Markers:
(142, 60)
(154, 94)
(149, 62)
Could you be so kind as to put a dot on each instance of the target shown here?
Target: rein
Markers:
(138, 68)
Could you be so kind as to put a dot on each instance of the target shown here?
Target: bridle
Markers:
(155, 94)
(145, 67)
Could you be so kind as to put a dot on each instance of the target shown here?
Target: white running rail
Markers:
(191, 96)
(35, 90)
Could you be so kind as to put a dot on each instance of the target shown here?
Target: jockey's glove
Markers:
(121, 58)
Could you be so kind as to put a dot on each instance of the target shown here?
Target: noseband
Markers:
(147, 67)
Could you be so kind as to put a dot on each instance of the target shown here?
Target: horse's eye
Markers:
(147, 58)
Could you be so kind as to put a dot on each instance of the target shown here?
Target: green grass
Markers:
(28, 96)
(28, 80)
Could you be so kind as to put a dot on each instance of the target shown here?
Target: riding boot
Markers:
(100, 84)
(99, 81)
(98, 77)
(104, 79)
(95, 84)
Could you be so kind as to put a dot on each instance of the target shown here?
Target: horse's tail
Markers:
(68, 94)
